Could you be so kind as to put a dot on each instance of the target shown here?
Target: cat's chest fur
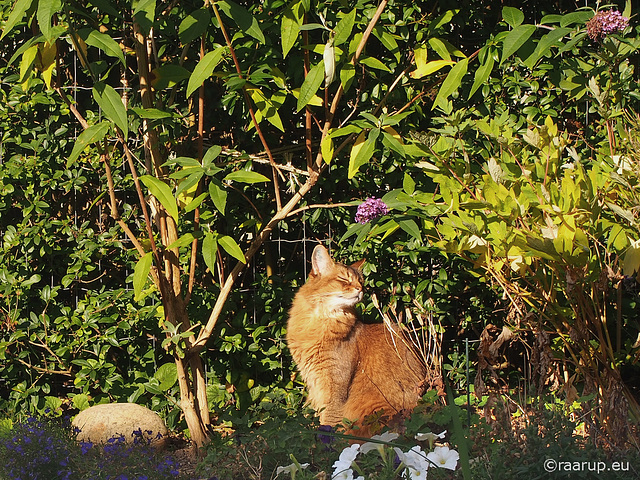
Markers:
(351, 369)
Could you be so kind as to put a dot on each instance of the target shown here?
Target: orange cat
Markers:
(351, 369)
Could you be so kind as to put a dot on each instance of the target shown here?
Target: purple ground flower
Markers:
(606, 22)
(370, 209)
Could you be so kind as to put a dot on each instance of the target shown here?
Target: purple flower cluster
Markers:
(34, 451)
(371, 209)
(606, 22)
(47, 449)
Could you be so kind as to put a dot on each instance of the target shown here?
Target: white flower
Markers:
(386, 437)
(345, 474)
(348, 455)
(342, 466)
(444, 458)
(431, 437)
(416, 462)
(291, 469)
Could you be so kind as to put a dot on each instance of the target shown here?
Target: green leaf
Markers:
(408, 184)
(18, 11)
(194, 25)
(347, 75)
(190, 181)
(388, 41)
(93, 134)
(441, 20)
(80, 401)
(184, 241)
(46, 10)
(409, 226)
(311, 84)
(575, 17)
(440, 48)
(482, 74)
(512, 16)
(372, 62)
(245, 21)
(232, 248)
(452, 82)
(112, 106)
(150, 113)
(167, 376)
(195, 203)
(246, 176)
(144, 13)
(544, 45)
(103, 42)
(362, 151)
(208, 165)
(163, 193)
(515, 39)
(140, 274)
(209, 251)
(168, 75)
(343, 29)
(204, 69)
(290, 27)
(218, 194)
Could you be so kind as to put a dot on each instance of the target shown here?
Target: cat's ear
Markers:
(321, 261)
(358, 265)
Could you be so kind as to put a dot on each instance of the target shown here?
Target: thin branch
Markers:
(318, 205)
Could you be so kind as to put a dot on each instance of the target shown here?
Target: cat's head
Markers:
(340, 285)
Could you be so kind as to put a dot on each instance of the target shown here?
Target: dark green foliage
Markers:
(70, 325)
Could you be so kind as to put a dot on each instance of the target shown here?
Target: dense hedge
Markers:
(72, 330)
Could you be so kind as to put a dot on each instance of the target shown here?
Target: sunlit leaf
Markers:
(16, 15)
(204, 69)
(163, 193)
(515, 39)
(452, 82)
(218, 194)
(232, 248)
(246, 176)
(209, 251)
(93, 134)
(290, 27)
(140, 274)
(243, 18)
(112, 106)
(343, 29)
(194, 25)
(512, 16)
(46, 10)
(362, 150)
(103, 42)
(310, 86)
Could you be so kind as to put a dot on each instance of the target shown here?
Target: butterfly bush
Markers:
(606, 22)
(371, 209)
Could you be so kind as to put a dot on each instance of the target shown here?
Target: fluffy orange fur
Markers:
(351, 369)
